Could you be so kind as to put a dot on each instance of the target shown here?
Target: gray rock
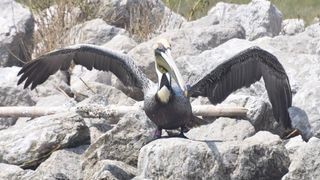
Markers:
(262, 156)
(251, 158)
(13, 172)
(259, 18)
(95, 31)
(292, 26)
(28, 144)
(177, 158)
(305, 42)
(12, 95)
(105, 95)
(222, 129)
(110, 169)
(62, 164)
(56, 100)
(308, 99)
(293, 144)
(205, 21)
(188, 41)
(121, 43)
(16, 32)
(121, 143)
(148, 16)
(300, 120)
(305, 163)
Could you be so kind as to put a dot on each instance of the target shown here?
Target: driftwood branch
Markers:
(94, 111)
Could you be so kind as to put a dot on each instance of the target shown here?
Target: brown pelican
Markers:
(166, 103)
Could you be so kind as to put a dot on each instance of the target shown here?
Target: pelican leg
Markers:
(182, 130)
(157, 133)
(290, 133)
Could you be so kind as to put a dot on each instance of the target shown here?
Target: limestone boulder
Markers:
(305, 163)
(95, 31)
(16, 41)
(121, 143)
(259, 18)
(292, 26)
(110, 169)
(30, 143)
(262, 156)
(62, 164)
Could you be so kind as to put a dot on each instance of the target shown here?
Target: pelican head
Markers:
(165, 66)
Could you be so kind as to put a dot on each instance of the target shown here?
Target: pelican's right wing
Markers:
(90, 56)
(244, 69)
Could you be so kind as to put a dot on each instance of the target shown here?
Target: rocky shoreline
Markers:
(68, 146)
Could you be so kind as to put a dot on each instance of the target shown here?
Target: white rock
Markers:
(121, 143)
(95, 31)
(305, 163)
(261, 156)
(9, 171)
(292, 26)
(155, 18)
(259, 18)
(110, 169)
(293, 144)
(177, 158)
(222, 129)
(28, 144)
(121, 43)
(13, 95)
(62, 164)
(16, 32)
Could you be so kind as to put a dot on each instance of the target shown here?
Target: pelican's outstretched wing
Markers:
(89, 56)
(244, 69)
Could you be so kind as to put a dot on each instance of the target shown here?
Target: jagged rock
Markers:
(56, 100)
(223, 129)
(121, 43)
(9, 171)
(12, 95)
(204, 21)
(259, 18)
(62, 164)
(101, 94)
(28, 144)
(308, 99)
(121, 143)
(16, 32)
(110, 169)
(300, 120)
(188, 41)
(95, 31)
(150, 16)
(293, 144)
(292, 26)
(305, 162)
(305, 42)
(105, 95)
(177, 158)
(261, 156)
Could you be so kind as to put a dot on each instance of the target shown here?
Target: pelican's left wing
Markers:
(244, 69)
(89, 56)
